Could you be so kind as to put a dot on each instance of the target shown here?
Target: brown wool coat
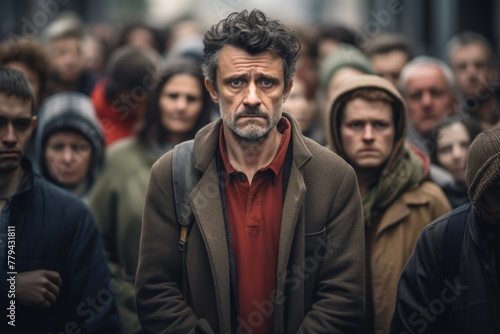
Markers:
(321, 249)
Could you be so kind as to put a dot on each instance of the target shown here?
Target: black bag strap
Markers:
(184, 178)
(453, 242)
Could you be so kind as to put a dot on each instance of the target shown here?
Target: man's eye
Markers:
(267, 83)
(356, 125)
(22, 124)
(58, 147)
(381, 125)
(236, 82)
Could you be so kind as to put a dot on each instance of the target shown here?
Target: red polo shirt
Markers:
(254, 214)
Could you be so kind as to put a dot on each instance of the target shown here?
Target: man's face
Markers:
(250, 91)
(429, 98)
(16, 126)
(67, 58)
(389, 65)
(472, 67)
(367, 133)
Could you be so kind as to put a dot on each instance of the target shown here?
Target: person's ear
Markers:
(34, 121)
(211, 89)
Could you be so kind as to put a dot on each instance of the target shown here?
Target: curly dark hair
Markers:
(32, 55)
(254, 33)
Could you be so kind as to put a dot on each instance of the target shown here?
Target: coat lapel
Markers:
(207, 208)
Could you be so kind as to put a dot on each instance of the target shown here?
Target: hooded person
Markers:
(366, 125)
(70, 142)
(468, 291)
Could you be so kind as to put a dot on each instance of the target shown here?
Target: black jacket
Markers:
(54, 230)
(427, 302)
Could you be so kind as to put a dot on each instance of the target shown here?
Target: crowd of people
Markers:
(329, 187)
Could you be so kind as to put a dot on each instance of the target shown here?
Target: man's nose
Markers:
(9, 137)
(252, 98)
(368, 133)
(426, 98)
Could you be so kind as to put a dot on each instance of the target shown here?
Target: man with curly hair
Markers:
(276, 245)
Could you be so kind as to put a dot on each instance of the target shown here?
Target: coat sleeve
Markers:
(340, 295)
(160, 304)
(421, 289)
(91, 294)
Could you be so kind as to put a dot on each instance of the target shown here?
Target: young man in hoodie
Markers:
(451, 284)
(367, 127)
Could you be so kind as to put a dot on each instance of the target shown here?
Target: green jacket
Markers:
(117, 201)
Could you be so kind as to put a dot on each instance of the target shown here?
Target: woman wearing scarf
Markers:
(366, 125)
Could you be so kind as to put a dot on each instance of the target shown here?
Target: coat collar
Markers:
(399, 210)
(206, 142)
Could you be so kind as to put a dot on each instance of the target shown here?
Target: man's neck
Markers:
(250, 157)
(9, 182)
(365, 178)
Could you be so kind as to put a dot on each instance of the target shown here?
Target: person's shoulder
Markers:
(426, 192)
(122, 146)
(322, 155)
(56, 198)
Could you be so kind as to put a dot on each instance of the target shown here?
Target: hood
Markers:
(74, 111)
(332, 121)
(483, 167)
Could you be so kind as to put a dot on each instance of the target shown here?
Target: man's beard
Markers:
(256, 134)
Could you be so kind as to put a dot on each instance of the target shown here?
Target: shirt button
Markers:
(491, 235)
(242, 177)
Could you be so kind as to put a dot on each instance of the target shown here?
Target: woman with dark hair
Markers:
(453, 137)
(179, 106)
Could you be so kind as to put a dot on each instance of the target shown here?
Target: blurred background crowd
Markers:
(118, 84)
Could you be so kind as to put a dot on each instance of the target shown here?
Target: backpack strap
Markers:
(184, 178)
(453, 242)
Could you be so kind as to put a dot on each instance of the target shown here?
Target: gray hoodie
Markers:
(70, 111)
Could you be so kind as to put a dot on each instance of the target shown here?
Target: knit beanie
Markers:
(344, 56)
(483, 167)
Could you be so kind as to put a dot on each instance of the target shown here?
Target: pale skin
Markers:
(181, 102)
(367, 132)
(452, 145)
(429, 98)
(38, 288)
(389, 65)
(250, 81)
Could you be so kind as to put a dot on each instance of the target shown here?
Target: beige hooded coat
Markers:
(400, 224)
